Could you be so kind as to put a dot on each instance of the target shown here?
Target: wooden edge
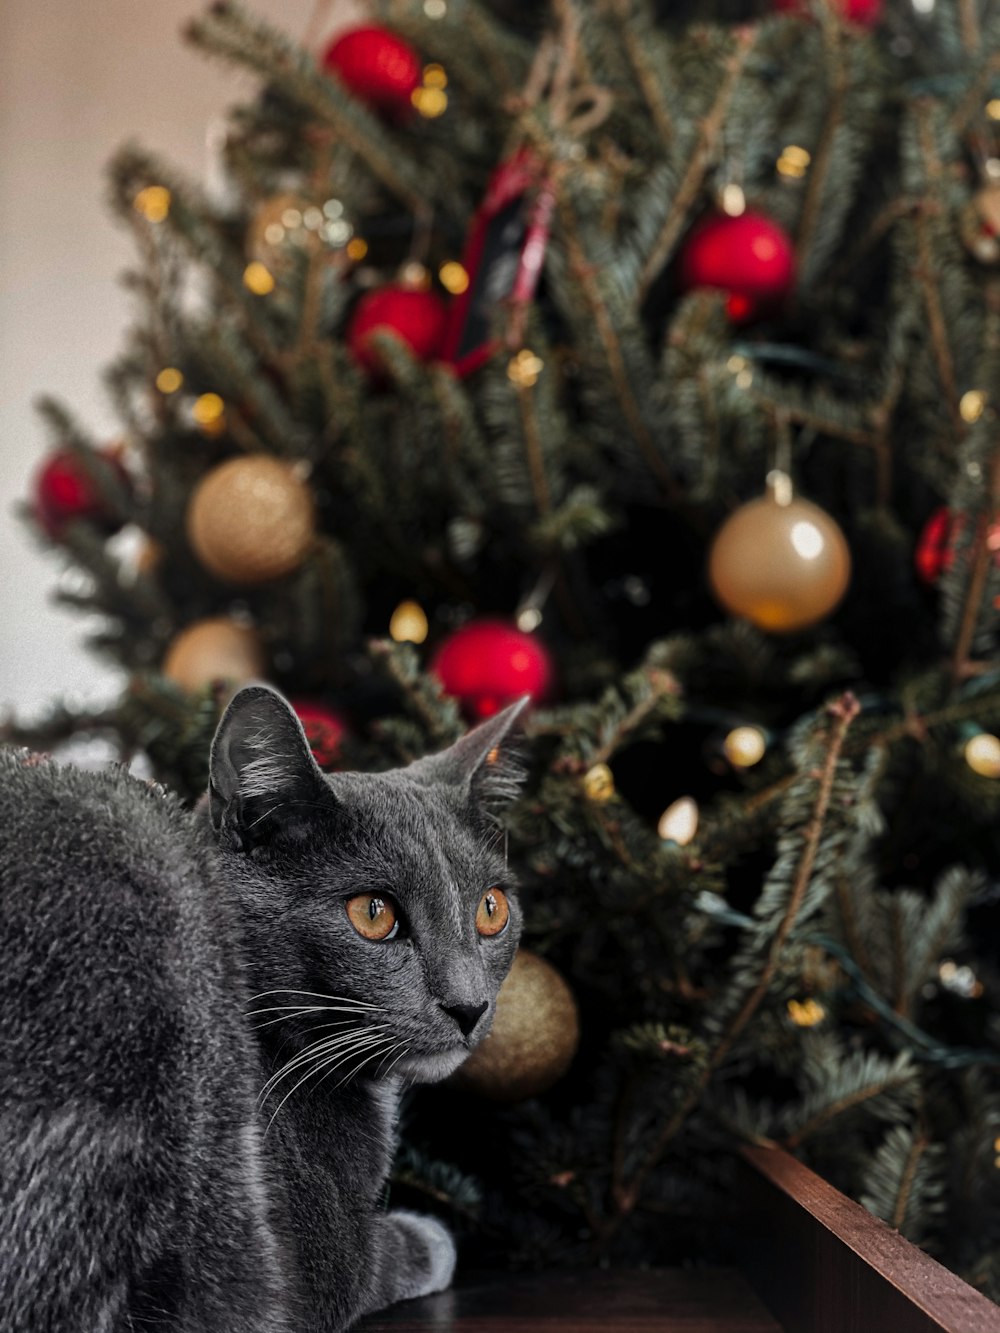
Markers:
(824, 1264)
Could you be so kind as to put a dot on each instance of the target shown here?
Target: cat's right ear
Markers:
(263, 778)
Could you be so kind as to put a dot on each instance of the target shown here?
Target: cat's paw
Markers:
(421, 1252)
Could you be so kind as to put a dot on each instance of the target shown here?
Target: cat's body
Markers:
(156, 975)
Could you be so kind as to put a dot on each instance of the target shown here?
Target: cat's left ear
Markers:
(262, 775)
(482, 765)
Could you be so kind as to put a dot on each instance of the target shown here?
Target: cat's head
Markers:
(378, 913)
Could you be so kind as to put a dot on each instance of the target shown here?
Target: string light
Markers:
(357, 249)
(529, 619)
(733, 200)
(435, 9)
(679, 822)
(794, 161)
(599, 783)
(435, 76)
(258, 278)
(453, 277)
(745, 746)
(524, 368)
(208, 409)
(408, 623)
(806, 1013)
(169, 379)
(982, 754)
(153, 202)
(993, 108)
(430, 102)
(971, 405)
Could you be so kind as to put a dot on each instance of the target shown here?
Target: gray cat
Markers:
(206, 1023)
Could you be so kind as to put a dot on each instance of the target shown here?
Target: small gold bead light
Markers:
(599, 783)
(153, 203)
(806, 1013)
(408, 623)
(679, 822)
(357, 249)
(745, 746)
(453, 277)
(982, 754)
(993, 108)
(435, 76)
(524, 368)
(208, 409)
(971, 405)
(169, 379)
(257, 278)
(794, 162)
(430, 102)
(435, 9)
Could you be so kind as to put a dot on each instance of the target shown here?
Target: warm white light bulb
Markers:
(679, 822)
(745, 746)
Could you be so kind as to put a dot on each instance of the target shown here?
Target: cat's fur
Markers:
(141, 1184)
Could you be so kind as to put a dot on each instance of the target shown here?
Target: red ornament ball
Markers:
(377, 66)
(938, 542)
(863, 13)
(487, 664)
(417, 317)
(751, 257)
(325, 730)
(65, 492)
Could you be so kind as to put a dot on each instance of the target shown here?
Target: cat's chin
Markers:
(430, 1068)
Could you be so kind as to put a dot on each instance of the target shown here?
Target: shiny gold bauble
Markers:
(782, 566)
(251, 519)
(214, 649)
(534, 1036)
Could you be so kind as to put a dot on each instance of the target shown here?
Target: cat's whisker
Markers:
(384, 1073)
(304, 1079)
(353, 1073)
(318, 995)
(317, 1049)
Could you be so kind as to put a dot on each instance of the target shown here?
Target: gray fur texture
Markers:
(201, 1057)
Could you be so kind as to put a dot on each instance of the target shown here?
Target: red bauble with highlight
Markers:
(751, 257)
(65, 492)
(378, 67)
(862, 13)
(417, 317)
(325, 730)
(487, 664)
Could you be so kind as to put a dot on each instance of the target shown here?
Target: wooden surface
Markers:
(823, 1264)
(621, 1301)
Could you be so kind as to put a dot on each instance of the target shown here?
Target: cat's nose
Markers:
(466, 1015)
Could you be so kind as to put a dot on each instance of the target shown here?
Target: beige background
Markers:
(75, 81)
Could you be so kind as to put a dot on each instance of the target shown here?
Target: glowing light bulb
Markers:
(971, 404)
(208, 409)
(806, 1013)
(745, 746)
(599, 783)
(430, 102)
(257, 278)
(169, 379)
(153, 203)
(679, 822)
(982, 754)
(408, 623)
(453, 277)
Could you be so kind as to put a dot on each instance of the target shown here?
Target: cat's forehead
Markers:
(392, 805)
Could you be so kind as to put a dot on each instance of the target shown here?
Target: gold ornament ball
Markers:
(782, 566)
(214, 649)
(251, 519)
(534, 1036)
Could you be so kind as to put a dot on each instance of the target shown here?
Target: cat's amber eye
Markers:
(373, 916)
(493, 912)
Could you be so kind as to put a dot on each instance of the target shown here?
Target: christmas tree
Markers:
(643, 362)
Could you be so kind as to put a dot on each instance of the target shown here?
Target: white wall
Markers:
(75, 81)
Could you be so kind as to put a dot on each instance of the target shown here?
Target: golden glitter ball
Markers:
(533, 1039)
(251, 519)
(599, 783)
(214, 649)
(982, 754)
(782, 566)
